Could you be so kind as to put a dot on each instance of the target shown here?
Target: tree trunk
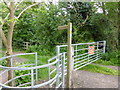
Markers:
(9, 40)
(3, 36)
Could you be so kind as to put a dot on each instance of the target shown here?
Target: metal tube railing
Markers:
(59, 60)
(32, 72)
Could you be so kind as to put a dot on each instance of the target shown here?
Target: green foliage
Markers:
(38, 25)
(24, 79)
(110, 58)
(100, 69)
(3, 63)
(42, 74)
(42, 50)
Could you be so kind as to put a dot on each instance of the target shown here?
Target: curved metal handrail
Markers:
(35, 86)
(5, 57)
(28, 68)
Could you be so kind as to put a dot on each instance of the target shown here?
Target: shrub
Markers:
(112, 57)
(42, 50)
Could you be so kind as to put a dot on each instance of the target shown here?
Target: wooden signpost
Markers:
(69, 54)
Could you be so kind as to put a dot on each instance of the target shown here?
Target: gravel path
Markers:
(85, 79)
(18, 60)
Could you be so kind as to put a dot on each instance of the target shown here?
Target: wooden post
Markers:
(69, 57)
(69, 54)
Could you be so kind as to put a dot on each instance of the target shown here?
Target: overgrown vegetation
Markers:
(43, 74)
(38, 26)
(42, 50)
(110, 58)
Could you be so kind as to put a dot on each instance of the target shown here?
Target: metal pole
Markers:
(97, 50)
(63, 72)
(12, 71)
(57, 65)
(32, 77)
(36, 61)
(76, 50)
(88, 51)
(104, 46)
(49, 72)
(69, 57)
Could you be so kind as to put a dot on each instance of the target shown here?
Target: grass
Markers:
(31, 58)
(100, 69)
(110, 62)
(90, 67)
(43, 72)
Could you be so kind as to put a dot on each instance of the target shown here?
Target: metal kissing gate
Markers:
(83, 54)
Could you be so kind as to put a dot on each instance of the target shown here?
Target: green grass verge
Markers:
(111, 62)
(100, 69)
(31, 58)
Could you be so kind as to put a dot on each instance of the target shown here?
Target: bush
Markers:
(112, 57)
(24, 79)
(42, 50)
(42, 75)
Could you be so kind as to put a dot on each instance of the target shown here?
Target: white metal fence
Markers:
(81, 52)
(56, 67)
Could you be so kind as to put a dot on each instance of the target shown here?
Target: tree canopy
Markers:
(38, 25)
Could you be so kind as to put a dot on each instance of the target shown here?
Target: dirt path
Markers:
(18, 59)
(85, 79)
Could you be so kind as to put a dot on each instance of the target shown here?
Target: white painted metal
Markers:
(59, 62)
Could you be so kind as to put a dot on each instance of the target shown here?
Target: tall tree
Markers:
(11, 19)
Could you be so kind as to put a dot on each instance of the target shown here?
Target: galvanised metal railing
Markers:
(56, 67)
(81, 54)
(59, 70)
(34, 82)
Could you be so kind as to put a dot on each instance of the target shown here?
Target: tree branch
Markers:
(7, 15)
(6, 5)
(26, 9)
(85, 20)
(3, 36)
(18, 4)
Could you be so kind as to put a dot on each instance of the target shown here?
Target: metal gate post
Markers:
(88, 52)
(76, 50)
(32, 77)
(104, 46)
(36, 62)
(12, 71)
(57, 65)
(49, 72)
(63, 72)
(97, 50)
